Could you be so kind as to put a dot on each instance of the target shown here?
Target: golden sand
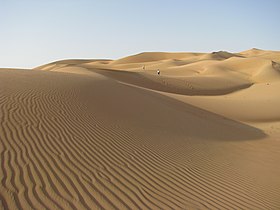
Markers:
(112, 134)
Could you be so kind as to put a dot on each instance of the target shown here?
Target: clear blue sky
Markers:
(34, 32)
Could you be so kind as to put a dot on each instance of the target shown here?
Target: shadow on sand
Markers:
(154, 112)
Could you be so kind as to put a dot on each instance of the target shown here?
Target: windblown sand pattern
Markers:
(102, 134)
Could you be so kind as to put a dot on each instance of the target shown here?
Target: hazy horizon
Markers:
(34, 33)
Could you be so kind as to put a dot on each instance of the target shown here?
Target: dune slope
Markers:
(74, 136)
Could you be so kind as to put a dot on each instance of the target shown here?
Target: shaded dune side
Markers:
(220, 55)
(72, 142)
(275, 66)
(192, 85)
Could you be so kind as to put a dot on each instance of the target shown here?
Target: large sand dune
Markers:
(112, 134)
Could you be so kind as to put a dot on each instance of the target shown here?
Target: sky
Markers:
(35, 32)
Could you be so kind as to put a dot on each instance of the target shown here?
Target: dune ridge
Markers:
(86, 134)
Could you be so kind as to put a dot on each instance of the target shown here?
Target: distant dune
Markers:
(113, 134)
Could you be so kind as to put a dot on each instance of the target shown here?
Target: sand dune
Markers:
(104, 134)
(152, 56)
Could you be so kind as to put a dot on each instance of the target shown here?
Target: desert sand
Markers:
(112, 134)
